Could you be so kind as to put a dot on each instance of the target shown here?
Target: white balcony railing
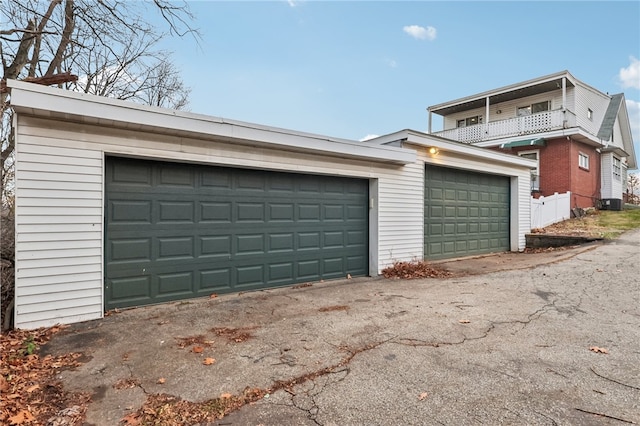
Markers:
(526, 125)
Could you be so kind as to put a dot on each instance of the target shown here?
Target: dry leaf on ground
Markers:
(209, 361)
(423, 396)
(464, 321)
(597, 349)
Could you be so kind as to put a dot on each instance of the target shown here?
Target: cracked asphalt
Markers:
(515, 347)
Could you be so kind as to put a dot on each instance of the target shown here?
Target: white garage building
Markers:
(119, 204)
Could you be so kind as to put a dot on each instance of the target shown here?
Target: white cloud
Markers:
(630, 76)
(366, 138)
(292, 3)
(420, 33)
(392, 63)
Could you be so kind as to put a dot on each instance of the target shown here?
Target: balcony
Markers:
(526, 125)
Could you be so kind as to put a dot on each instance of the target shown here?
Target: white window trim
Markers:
(616, 168)
(581, 156)
(590, 114)
(535, 185)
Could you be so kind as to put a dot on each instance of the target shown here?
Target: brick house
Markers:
(580, 136)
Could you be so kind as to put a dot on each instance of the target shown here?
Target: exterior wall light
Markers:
(433, 150)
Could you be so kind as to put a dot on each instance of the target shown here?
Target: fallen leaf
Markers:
(208, 361)
(348, 276)
(464, 321)
(597, 349)
(226, 395)
(423, 396)
(33, 388)
(161, 381)
(197, 349)
(20, 418)
(131, 419)
(213, 296)
(4, 385)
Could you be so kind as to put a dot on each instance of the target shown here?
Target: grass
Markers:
(606, 224)
(616, 222)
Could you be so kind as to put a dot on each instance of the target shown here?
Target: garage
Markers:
(176, 231)
(124, 205)
(466, 213)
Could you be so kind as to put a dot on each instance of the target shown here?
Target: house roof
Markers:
(502, 94)
(610, 115)
(54, 103)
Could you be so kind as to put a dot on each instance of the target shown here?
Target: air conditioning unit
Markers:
(611, 204)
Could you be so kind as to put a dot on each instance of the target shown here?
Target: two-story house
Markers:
(580, 136)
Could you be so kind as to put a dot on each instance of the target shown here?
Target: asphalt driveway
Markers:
(556, 343)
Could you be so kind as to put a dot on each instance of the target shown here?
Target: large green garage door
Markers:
(466, 213)
(175, 231)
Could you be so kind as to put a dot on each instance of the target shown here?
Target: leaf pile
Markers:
(170, 410)
(31, 395)
(413, 270)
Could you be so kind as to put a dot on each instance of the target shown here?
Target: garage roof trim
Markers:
(51, 102)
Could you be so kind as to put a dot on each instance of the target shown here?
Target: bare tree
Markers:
(633, 188)
(109, 44)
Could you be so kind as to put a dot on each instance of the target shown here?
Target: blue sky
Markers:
(352, 69)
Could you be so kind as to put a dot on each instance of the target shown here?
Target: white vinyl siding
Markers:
(58, 233)
(401, 216)
(612, 187)
(60, 207)
(589, 99)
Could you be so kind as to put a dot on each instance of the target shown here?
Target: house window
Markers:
(589, 113)
(583, 161)
(535, 174)
(477, 119)
(616, 168)
(533, 108)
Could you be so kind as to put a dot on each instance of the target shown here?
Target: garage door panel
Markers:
(215, 280)
(212, 229)
(177, 283)
(465, 212)
(131, 250)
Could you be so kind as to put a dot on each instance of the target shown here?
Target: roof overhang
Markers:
(524, 142)
(616, 150)
(47, 102)
(458, 149)
(532, 87)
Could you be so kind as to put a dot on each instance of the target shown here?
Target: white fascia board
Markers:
(577, 132)
(423, 139)
(627, 138)
(46, 101)
(504, 89)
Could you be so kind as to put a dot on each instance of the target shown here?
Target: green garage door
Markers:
(466, 213)
(176, 231)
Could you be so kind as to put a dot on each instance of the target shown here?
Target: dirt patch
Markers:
(200, 339)
(334, 308)
(236, 335)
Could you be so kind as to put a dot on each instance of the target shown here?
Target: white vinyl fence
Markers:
(548, 210)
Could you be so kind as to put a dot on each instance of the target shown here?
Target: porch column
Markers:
(564, 93)
(486, 117)
(429, 128)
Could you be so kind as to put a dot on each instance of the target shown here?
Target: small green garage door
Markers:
(176, 231)
(466, 213)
